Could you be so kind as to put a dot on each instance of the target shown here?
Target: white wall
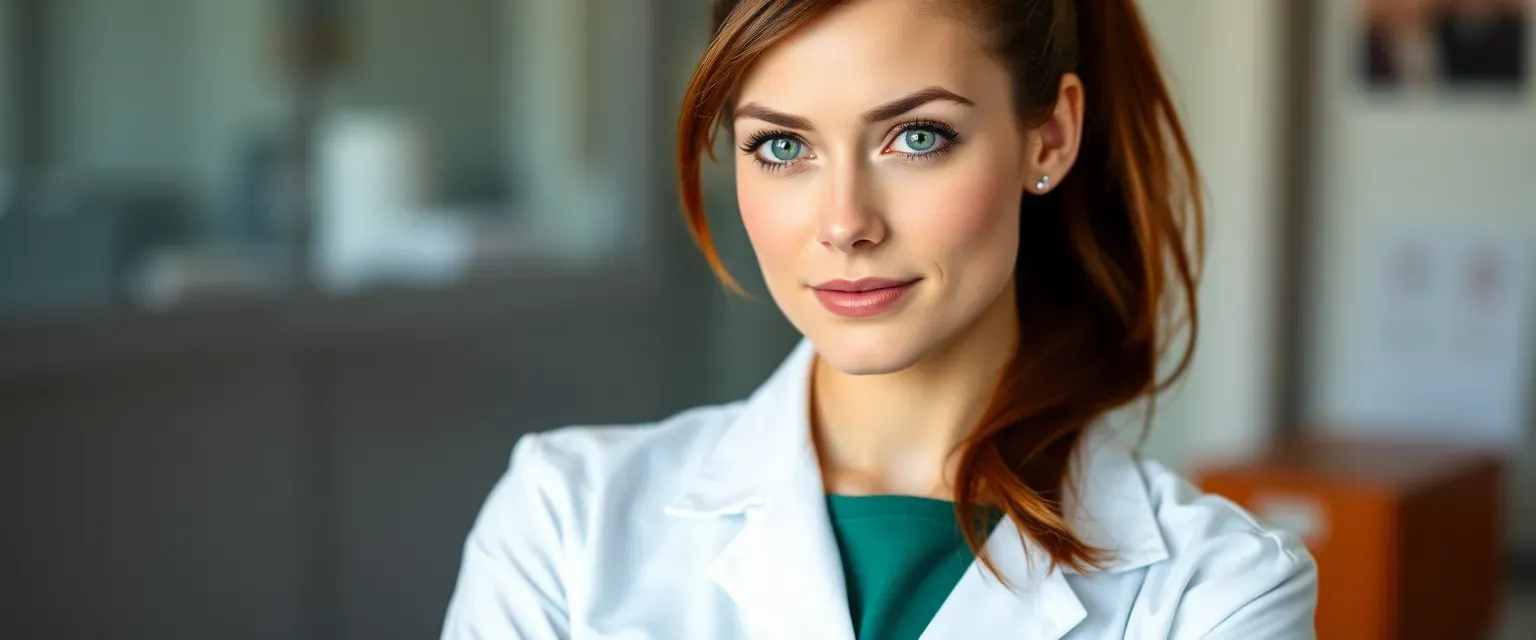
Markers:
(160, 91)
(579, 75)
(1226, 67)
(1383, 163)
(235, 91)
(118, 93)
(172, 91)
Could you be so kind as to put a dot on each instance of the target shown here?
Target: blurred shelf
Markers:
(48, 344)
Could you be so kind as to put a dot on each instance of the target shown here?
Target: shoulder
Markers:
(1193, 520)
(565, 470)
(1231, 575)
(524, 557)
(590, 454)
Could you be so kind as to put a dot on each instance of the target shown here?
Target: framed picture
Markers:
(1455, 43)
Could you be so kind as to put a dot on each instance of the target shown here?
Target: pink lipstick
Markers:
(861, 298)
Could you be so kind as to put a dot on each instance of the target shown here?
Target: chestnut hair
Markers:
(1105, 261)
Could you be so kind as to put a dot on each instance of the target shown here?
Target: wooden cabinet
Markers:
(1409, 539)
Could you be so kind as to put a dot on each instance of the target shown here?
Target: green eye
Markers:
(924, 139)
(920, 140)
(784, 149)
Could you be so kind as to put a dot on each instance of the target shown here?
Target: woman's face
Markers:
(879, 170)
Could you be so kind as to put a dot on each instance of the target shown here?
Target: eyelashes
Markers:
(947, 140)
(757, 140)
(773, 141)
(948, 137)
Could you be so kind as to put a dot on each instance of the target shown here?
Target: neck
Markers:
(895, 433)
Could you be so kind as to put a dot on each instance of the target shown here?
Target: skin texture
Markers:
(876, 198)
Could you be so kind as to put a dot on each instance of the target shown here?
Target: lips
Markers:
(863, 298)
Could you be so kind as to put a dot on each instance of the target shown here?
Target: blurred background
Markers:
(281, 282)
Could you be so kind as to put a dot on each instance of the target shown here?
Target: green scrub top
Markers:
(902, 555)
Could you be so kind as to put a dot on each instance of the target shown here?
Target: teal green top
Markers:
(902, 556)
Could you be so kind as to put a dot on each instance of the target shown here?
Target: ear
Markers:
(1051, 148)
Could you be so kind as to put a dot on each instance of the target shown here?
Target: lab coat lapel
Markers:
(782, 568)
(1040, 605)
(1107, 505)
(784, 572)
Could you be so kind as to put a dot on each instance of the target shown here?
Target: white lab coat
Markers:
(712, 524)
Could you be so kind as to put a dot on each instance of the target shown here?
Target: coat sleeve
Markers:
(1248, 585)
(510, 583)
(1275, 598)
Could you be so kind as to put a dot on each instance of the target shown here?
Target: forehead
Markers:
(866, 52)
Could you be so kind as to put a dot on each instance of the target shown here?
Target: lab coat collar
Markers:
(784, 569)
(767, 445)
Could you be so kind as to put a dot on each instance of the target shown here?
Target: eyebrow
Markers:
(912, 101)
(760, 112)
(883, 112)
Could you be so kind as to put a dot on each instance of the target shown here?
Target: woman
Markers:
(975, 211)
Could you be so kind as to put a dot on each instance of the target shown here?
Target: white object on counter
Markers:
(375, 178)
(170, 277)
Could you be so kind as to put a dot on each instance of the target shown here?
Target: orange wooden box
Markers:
(1408, 538)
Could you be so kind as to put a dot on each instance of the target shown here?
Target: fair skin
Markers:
(842, 189)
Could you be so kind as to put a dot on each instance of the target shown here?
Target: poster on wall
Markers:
(1444, 44)
(1450, 353)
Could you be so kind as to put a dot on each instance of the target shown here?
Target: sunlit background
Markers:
(281, 282)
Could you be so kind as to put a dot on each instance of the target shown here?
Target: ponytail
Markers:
(1105, 259)
(1102, 260)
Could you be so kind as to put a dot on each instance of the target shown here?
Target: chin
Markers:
(867, 350)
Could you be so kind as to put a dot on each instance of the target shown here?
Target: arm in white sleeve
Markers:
(510, 583)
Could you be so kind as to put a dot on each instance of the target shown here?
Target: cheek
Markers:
(768, 214)
(968, 217)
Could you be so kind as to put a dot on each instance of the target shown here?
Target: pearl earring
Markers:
(1044, 184)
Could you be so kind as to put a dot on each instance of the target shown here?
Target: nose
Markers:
(850, 219)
